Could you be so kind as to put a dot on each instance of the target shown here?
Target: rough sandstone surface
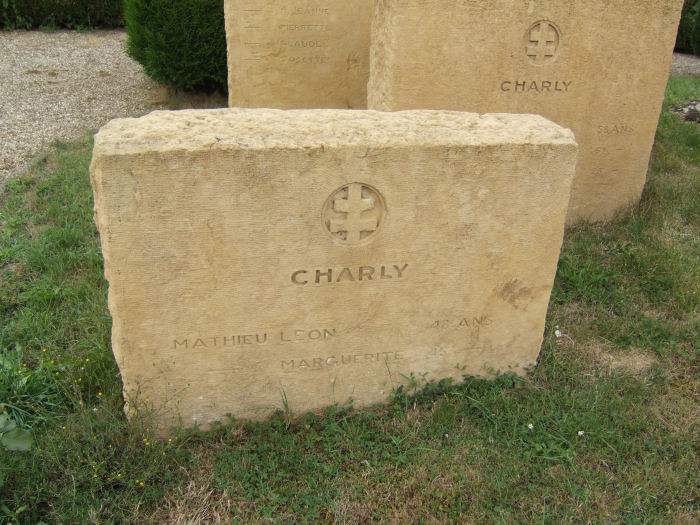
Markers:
(323, 255)
(599, 67)
(303, 54)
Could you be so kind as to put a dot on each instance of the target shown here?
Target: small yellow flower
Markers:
(52, 362)
(94, 475)
(141, 483)
(99, 394)
(43, 349)
(63, 427)
(119, 475)
(87, 360)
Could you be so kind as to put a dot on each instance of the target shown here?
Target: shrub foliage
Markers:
(71, 14)
(688, 40)
(180, 43)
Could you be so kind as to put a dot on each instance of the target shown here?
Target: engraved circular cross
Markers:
(542, 42)
(354, 213)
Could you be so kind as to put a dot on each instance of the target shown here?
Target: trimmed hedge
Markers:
(180, 43)
(71, 14)
(688, 40)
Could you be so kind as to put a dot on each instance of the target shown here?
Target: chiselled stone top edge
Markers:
(237, 128)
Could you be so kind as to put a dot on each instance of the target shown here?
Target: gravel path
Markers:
(685, 65)
(60, 86)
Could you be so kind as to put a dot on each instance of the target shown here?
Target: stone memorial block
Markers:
(302, 54)
(599, 67)
(316, 256)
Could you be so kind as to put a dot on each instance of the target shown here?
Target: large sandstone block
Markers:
(599, 67)
(302, 54)
(323, 255)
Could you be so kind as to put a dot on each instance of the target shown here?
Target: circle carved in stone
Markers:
(354, 213)
(542, 41)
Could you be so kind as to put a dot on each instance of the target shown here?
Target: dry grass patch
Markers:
(675, 230)
(686, 518)
(633, 361)
(350, 512)
(421, 493)
(196, 501)
(602, 503)
(603, 356)
(679, 407)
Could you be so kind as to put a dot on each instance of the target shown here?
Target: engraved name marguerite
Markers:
(354, 213)
(542, 41)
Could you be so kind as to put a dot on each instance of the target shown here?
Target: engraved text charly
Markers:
(340, 275)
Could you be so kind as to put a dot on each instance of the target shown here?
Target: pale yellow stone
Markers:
(324, 255)
(598, 67)
(301, 54)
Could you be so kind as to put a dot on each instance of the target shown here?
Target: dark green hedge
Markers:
(71, 14)
(180, 43)
(688, 40)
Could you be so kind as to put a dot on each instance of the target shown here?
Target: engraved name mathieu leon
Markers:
(260, 338)
(353, 274)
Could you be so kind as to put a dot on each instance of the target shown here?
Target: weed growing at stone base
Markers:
(603, 430)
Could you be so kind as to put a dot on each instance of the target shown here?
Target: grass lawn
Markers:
(605, 430)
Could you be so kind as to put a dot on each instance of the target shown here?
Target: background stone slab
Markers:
(303, 54)
(599, 67)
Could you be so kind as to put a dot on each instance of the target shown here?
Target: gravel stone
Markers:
(62, 86)
(685, 65)
(690, 111)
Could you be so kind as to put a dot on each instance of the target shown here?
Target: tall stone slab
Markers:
(318, 256)
(301, 54)
(599, 67)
